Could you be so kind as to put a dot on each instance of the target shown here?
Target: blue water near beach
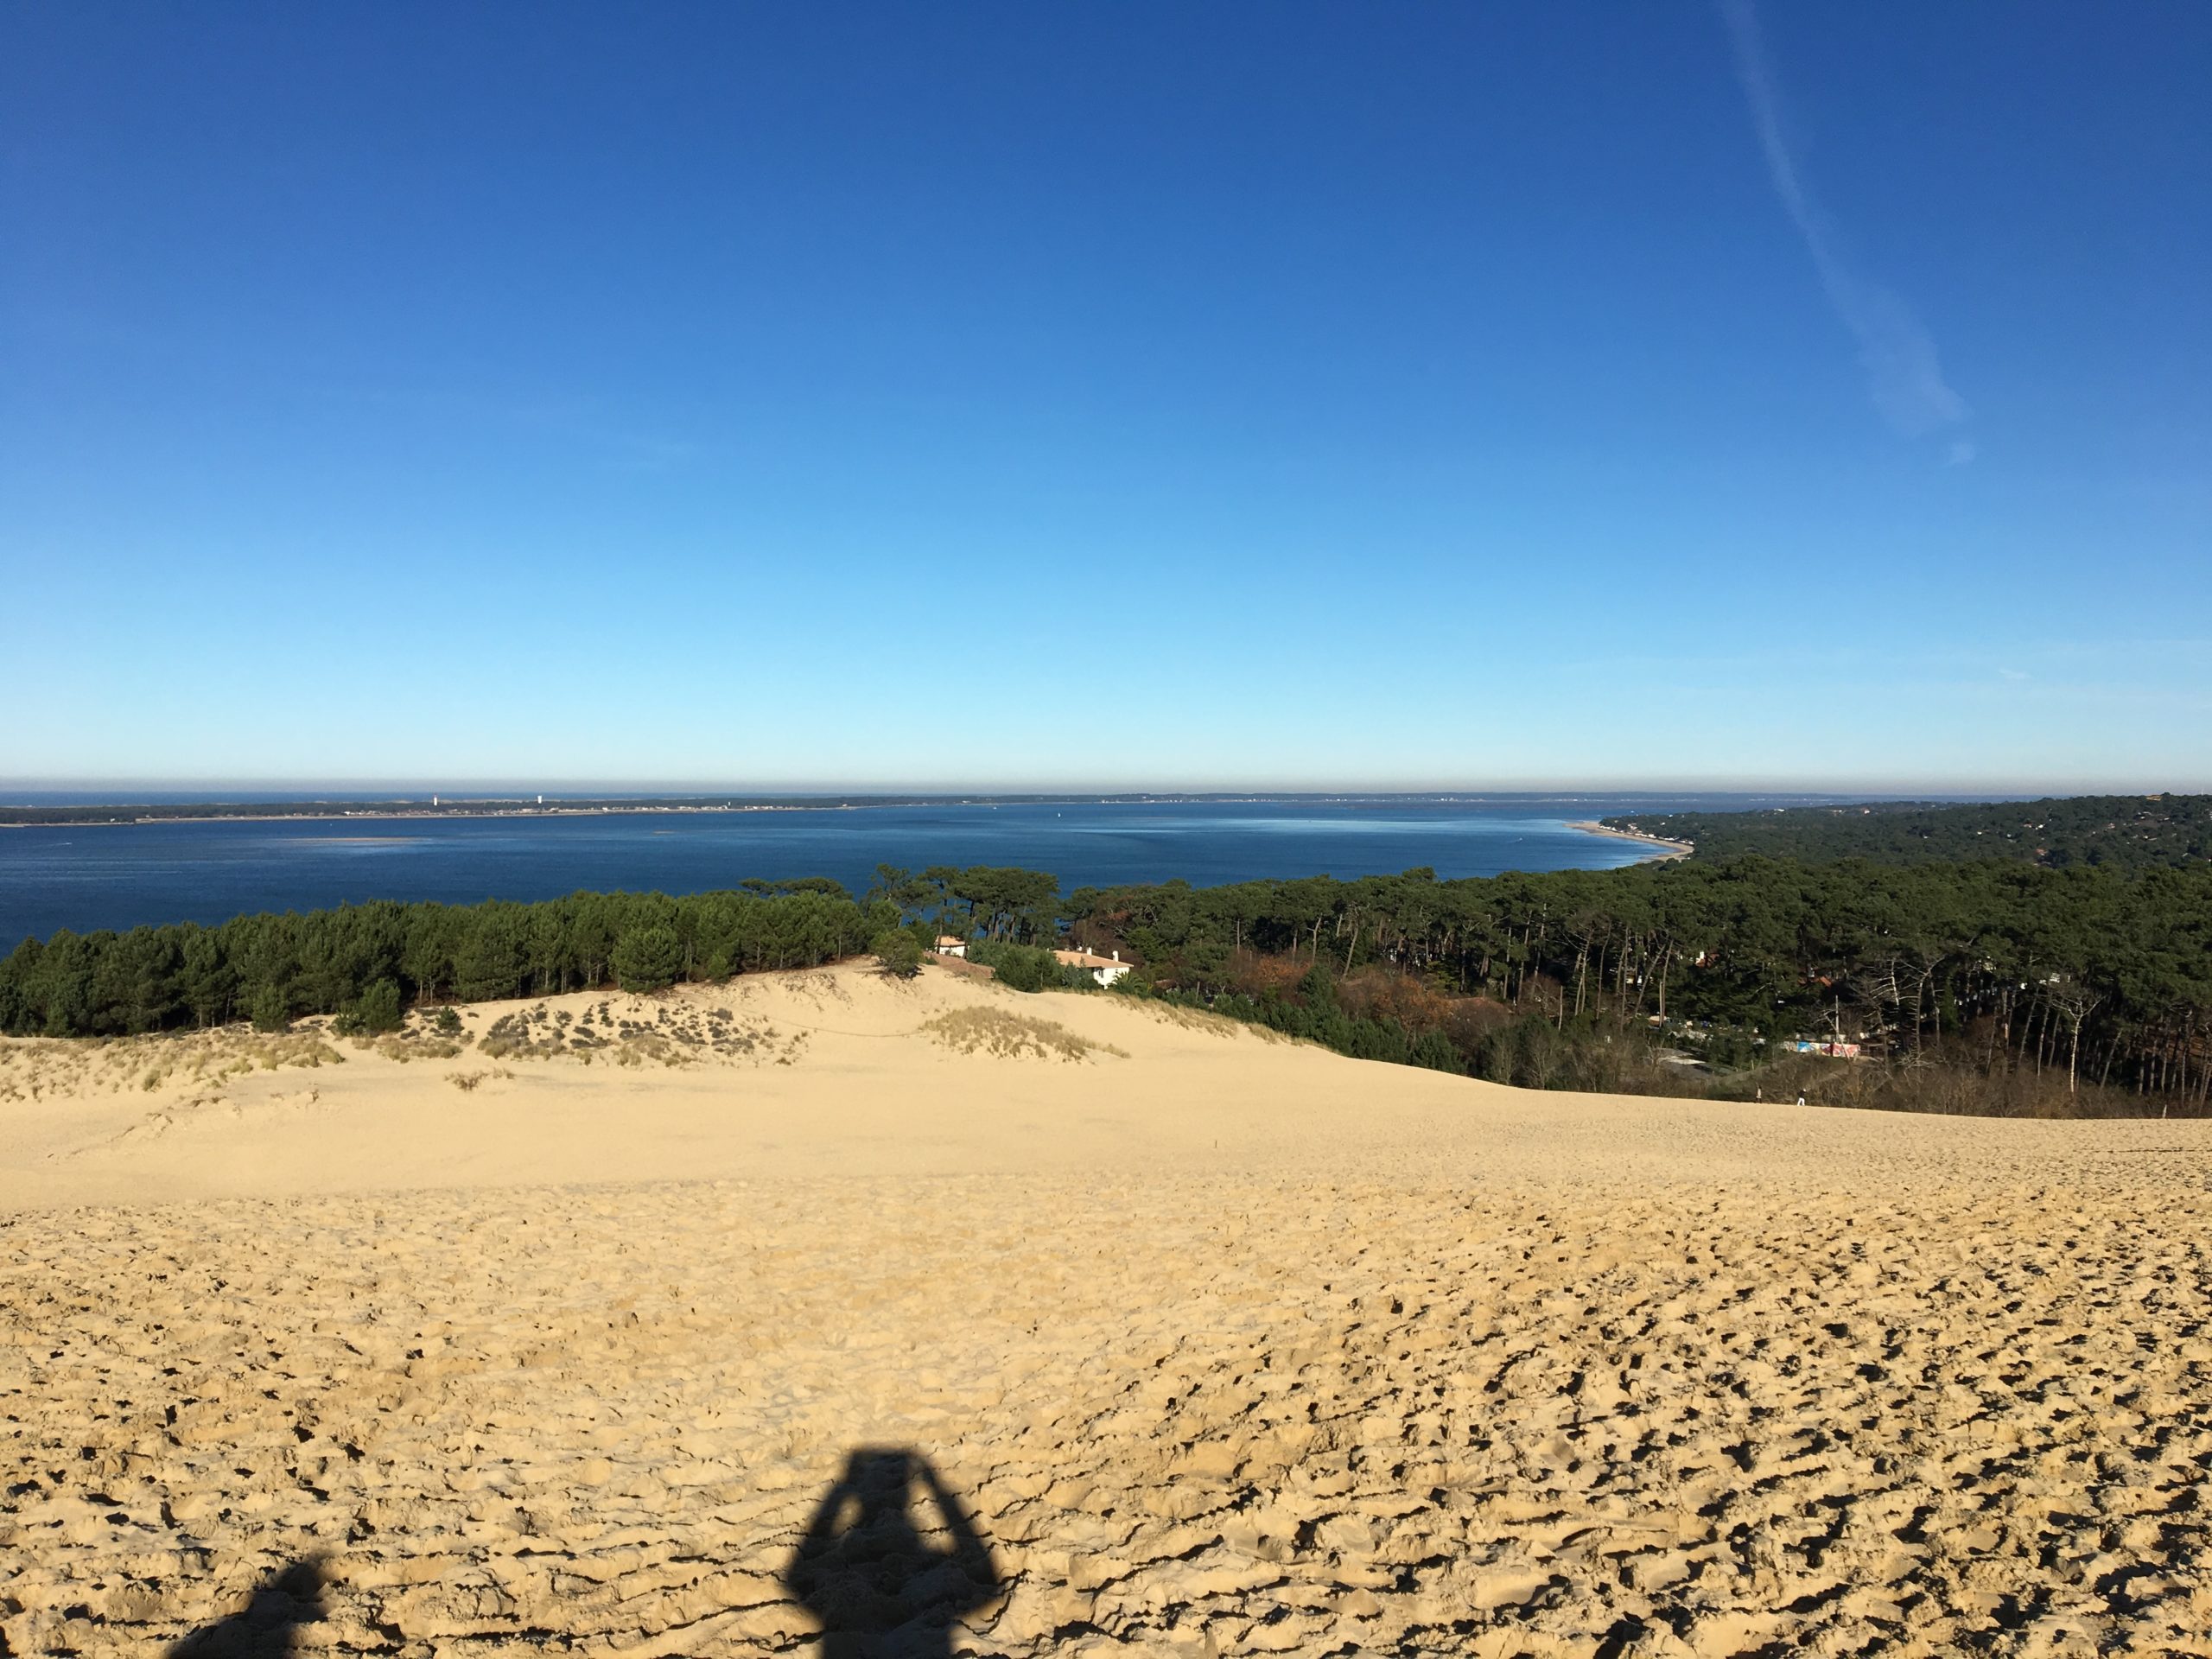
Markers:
(123, 875)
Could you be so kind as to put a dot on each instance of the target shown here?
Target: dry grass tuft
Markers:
(1013, 1036)
(300, 1048)
(412, 1045)
(671, 1031)
(32, 1068)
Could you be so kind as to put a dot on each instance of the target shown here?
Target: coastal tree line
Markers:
(2090, 980)
(2122, 832)
(998, 904)
(374, 960)
(2096, 977)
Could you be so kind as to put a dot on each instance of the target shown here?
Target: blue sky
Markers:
(1340, 395)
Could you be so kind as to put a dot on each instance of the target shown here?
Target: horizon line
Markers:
(511, 788)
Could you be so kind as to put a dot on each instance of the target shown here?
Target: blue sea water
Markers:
(123, 875)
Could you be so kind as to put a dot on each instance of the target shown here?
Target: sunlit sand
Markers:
(950, 1320)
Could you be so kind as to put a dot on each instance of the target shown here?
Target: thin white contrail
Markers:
(1902, 371)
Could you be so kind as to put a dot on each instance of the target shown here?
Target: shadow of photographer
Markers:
(266, 1629)
(884, 1578)
(890, 1560)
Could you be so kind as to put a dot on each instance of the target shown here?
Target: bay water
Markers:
(118, 876)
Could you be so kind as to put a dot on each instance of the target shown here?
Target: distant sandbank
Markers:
(1662, 849)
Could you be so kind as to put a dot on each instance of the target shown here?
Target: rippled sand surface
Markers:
(1210, 1345)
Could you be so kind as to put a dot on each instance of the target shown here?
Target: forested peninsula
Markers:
(2046, 982)
(2117, 831)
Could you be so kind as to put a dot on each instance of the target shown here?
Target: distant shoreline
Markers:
(382, 815)
(97, 816)
(1662, 849)
(102, 815)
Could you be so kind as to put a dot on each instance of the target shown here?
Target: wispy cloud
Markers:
(575, 425)
(617, 445)
(1902, 370)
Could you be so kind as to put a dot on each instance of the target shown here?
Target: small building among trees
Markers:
(1104, 969)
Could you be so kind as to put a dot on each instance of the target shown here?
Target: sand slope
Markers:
(1220, 1344)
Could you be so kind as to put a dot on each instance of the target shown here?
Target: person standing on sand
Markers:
(1801, 1096)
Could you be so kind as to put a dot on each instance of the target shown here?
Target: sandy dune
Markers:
(783, 1311)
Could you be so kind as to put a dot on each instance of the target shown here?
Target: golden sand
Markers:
(824, 1301)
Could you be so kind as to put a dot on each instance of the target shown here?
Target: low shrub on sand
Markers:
(898, 953)
(411, 1048)
(1013, 1036)
(300, 1048)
